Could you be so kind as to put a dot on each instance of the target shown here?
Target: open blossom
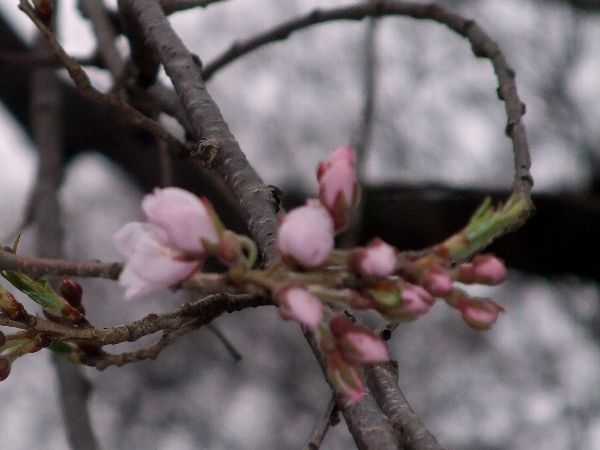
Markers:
(377, 259)
(358, 343)
(170, 247)
(305, 235)
(296, 303)
(151, 262)
(338, 185)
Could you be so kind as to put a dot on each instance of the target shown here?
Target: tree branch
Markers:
(482, 45)
(46, 104)
(216, 145)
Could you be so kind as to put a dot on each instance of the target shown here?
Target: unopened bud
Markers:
(346, 377)
(296, 303)
(11, 307)
(437, 281)
(377, 259)
(72, 292)
(357, 343)
(480, 314)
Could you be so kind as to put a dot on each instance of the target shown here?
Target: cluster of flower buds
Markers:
(347, 346)
(18, 344)
(306, 234)
(182, 230)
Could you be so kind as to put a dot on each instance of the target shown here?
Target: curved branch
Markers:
(481, 43)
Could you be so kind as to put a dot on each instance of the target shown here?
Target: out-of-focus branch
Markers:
(323, 425)
(216, 145)
(481, 43)
(172, 6)
(84, 85)
(95, 11)
(46, 109)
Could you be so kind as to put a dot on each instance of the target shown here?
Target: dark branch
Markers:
(216, 145)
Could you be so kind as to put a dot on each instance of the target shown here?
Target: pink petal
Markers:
(183, 216)
(300, 305)
(371, 349)
(378, 259)
(306, 235)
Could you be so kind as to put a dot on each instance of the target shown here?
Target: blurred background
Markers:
(436, 148)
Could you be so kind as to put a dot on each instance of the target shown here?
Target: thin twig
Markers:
(46, 109)
(481, 43)
(322, 427)
(204, 310)
(172, 6)
(95, 11)
(82, 81)
(235, 354)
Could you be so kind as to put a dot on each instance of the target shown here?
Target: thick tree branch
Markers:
(412, 435)
(216, 145)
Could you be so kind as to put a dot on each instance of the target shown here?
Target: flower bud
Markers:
(338, 185)
(400, 300)
(358, 343)
(72, 292)
(296, 303)
(377, 259)
(437, 281)
(305, 235)
(484, 269)
(11, 307)
(345, 377)
(480, 314)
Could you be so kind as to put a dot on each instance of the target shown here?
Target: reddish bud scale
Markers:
(4, 368)
(11, 307)
(44, 9)
(2, 339)
(72, 292)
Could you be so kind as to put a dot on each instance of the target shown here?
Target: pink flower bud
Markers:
(296, 303)
(186, 219)
(416, 300)
(305, 235)
(338, 185)
(488, 269)
(357, 343)
(480, 314)
(345, 377)
(151, 263)
(377, 259)
(437, 281)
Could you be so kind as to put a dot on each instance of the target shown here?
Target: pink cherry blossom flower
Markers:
(186, 219)
(480, 314)
(151, 263)
(305, 235)
(377, 259)
(338, 185)
(296, 303)
(358, 343)
(437, 281)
